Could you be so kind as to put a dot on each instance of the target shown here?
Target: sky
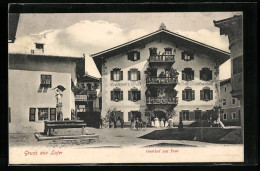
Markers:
(75, 34)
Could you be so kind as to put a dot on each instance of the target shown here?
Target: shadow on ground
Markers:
(212, 135)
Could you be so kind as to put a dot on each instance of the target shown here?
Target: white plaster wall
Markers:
(23, 94)
(120, 61)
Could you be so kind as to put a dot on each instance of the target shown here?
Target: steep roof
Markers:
(162, 34)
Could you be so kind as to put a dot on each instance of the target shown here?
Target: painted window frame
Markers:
(187, 72)
(137, 94)
(206, 74)
(133, 56)
(120, 74)
(185, 92)
(202, 94)
(119, 95)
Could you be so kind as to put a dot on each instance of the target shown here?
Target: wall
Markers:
(23, 94)
(126, 106)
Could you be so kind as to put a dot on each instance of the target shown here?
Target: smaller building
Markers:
(230, 105)
(88, 99)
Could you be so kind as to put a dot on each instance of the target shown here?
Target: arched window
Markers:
(116, 94)
(134, 94)
(205, 74)
(188, 94)
(133, 74)
(187, 74)
(206, 94)
(116, 74)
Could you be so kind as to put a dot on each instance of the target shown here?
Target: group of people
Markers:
(136, 122)
(161, 123)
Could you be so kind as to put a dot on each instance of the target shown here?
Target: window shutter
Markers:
(192, 57)
(182, 55)
(129, 116)
(138, 75)
(200, 75)
(112, 96)
(112, 75)
(210, 75)
(201, 95)
(129, 75)
(121, 95)
(183, 95)
(193, 95)
(138, 55)
(129, 95)
(183, 75)
(192, 72)
(121, 75)
(192, 116)
(139, 95)
(211, 94)
(181, 115)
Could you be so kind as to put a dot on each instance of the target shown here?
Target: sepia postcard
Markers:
(116, 88)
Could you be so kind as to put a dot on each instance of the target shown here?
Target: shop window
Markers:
(224, 116)
(233, 100)
(188, 94)
(133, 74)
(116, 74)
(234, 115)
(134, 95)
(116, 95)
(237, 65)
(224, 102)
(133, 56)
(187, 74)
(32, 114)
(52, 114)
(46, 80)
(206, 94)
(187, 56)
(43, 114)
(81, 108)
(205, 74)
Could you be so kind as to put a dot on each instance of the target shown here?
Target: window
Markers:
(225, 89)
(133, 56)
(32, 114)
(187, 56)
(39, 46)
(224, 102)
(233, 100)
(187, 74)
(43, 114)
(234, 115)
(224, 116)
(116, 74)
(89, 86)
(237, 65)
(83, 85)
(81, 108)
(116, 95)
(205, 74)
(134, 75)
(188, 94)
(206, 94)
(53, 114)
(46, 80)
(134, 94)
(185, 115)
(168, 51)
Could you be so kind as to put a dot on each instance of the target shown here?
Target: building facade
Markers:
(161, 74)
(31, 82)
(230, 105)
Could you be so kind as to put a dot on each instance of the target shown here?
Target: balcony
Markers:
(161, 80)
(162, 100)
(92, 92)
(162, 58)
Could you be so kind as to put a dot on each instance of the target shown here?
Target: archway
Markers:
(160, 114)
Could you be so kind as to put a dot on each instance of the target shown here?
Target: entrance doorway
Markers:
(160, 114)
(197, 115)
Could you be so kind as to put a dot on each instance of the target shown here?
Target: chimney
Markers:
(39, 48)
(162, 27)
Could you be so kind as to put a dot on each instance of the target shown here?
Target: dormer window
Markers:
(133, 74)
(187, 56)
(116, 74)
(187, 74)
(205, 74)
(133, 56)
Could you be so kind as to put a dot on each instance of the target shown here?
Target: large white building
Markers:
(31, 79)
(139, 77)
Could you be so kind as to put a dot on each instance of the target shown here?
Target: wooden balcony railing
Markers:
(161, 80)
(162, 100)
(162, 58)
